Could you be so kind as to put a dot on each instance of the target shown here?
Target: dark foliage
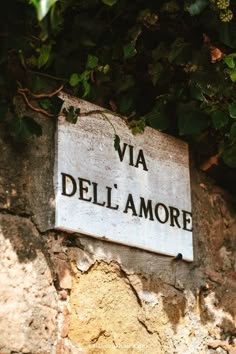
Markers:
(167, 64)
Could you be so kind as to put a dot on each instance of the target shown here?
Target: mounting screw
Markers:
(179, 257)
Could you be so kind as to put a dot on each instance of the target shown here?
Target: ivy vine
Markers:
(168, 64)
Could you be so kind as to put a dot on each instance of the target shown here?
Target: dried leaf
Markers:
(216, 54)
(213, 160)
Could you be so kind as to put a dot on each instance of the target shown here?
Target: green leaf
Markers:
(197, 7)
(92, 62)
(38, 84)
(232, 134)
(86, 87)
(158, 120)
(25, 127)
(129, 50)
(219, 119)
(45, 103)
(229, 156)
(138, 126)
(84, 78)
(72, 118)
(109, 2)
(190, 119)
(116, 142)
(125, 103)
(196, 93)
(124, 83)
(44, 56)
(104, 69)
(42, 7)
(56, 104)
(229, 61)
(74, 80)
(156, 71)
(71, 114)
(177, 48)
(56, 18)
(232, 110)
(137, 130)
(233, 75)
(227, 33)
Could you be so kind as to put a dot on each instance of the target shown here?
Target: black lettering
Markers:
(146, 209)
(121, 153)
(83, 189)
(141, 160)
(157, 213)
(109, 189)
(95, 195)
(131, 155)
(174, 214)
(65, 178)
(130, 205)
(187, 219)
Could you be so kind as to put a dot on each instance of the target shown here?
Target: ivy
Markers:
(25, 127)
(220, 119)
(71, 114)
(168, 64)
(42, 7)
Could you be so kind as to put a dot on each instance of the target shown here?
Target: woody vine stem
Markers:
(24, 91)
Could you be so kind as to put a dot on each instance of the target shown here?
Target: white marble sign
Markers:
(138, 195)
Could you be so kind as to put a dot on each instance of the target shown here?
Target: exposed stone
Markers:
(64, 273)
(63, 295)
(83, 259)
(222, 346)
(62, 348)
(104, 314)
(214, 276)
(65, 323)
(226, 258)
(28, 305)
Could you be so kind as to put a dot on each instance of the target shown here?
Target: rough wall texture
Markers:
(65, 293)
(28, 300)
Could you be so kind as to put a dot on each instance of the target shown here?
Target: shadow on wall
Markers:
(21, 243)
(24, 238)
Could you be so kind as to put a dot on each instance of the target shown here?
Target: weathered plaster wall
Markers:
(65, 293)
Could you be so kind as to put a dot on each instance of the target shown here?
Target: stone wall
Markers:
(65, 293)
